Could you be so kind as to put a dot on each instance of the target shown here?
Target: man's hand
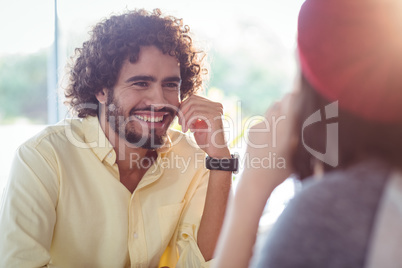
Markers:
(204, 118)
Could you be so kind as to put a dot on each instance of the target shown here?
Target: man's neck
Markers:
(132, 161)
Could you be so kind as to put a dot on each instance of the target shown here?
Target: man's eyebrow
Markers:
(152, 79)
(141, 78)
(172, 79)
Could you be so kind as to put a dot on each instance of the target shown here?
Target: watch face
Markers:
(225, 164)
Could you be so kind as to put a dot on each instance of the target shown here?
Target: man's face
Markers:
(145, 99)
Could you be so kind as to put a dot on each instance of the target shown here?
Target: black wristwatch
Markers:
(225, 164)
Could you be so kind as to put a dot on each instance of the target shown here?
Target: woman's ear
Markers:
(101, 96)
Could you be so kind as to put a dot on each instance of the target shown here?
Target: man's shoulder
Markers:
(58, 133)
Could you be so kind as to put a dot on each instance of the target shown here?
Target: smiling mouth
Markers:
(156, 119)
(150, 119)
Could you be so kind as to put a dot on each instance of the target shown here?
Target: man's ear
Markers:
(101, 96)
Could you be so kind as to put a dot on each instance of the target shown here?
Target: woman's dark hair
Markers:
(98, 62)
(357, 138)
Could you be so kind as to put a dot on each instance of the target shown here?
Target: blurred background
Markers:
(251, 53)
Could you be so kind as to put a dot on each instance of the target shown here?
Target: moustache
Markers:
(171, 110)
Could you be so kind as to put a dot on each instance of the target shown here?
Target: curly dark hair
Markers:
(97, 64)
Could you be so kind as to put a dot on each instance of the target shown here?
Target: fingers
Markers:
(274, 134)
(279, 107)
(196, 109)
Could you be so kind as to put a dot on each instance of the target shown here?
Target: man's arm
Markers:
(204, 118)
(214, 211)
(27, 213)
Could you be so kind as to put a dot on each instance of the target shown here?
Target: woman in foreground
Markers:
(340, 132)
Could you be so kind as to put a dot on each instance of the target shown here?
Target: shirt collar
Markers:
(167, 146)
(96, 139)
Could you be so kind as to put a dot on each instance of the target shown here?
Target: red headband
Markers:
(351, 51)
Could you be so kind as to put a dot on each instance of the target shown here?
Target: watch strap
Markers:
(224, 164)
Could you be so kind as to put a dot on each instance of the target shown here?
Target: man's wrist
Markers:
(223, 164)
(219, 153)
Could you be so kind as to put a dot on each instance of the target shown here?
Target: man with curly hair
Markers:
(116, 187)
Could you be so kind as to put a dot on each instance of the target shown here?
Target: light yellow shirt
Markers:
(64, 205)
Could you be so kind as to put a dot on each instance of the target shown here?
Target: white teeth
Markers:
(149, 118)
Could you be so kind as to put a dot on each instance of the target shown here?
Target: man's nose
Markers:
(156, 97)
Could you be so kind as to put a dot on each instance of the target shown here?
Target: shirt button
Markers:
(135, 235)
(109, 155)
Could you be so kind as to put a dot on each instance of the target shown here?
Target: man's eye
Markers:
(140, 84)
(172, 85)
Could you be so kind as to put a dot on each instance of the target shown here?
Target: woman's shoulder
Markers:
(364, 180)
(329, 222)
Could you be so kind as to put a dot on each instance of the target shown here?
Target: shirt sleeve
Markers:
(190, 254)
(27, 212)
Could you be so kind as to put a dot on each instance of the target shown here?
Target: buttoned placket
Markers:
(137, 240)
(137, 244)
